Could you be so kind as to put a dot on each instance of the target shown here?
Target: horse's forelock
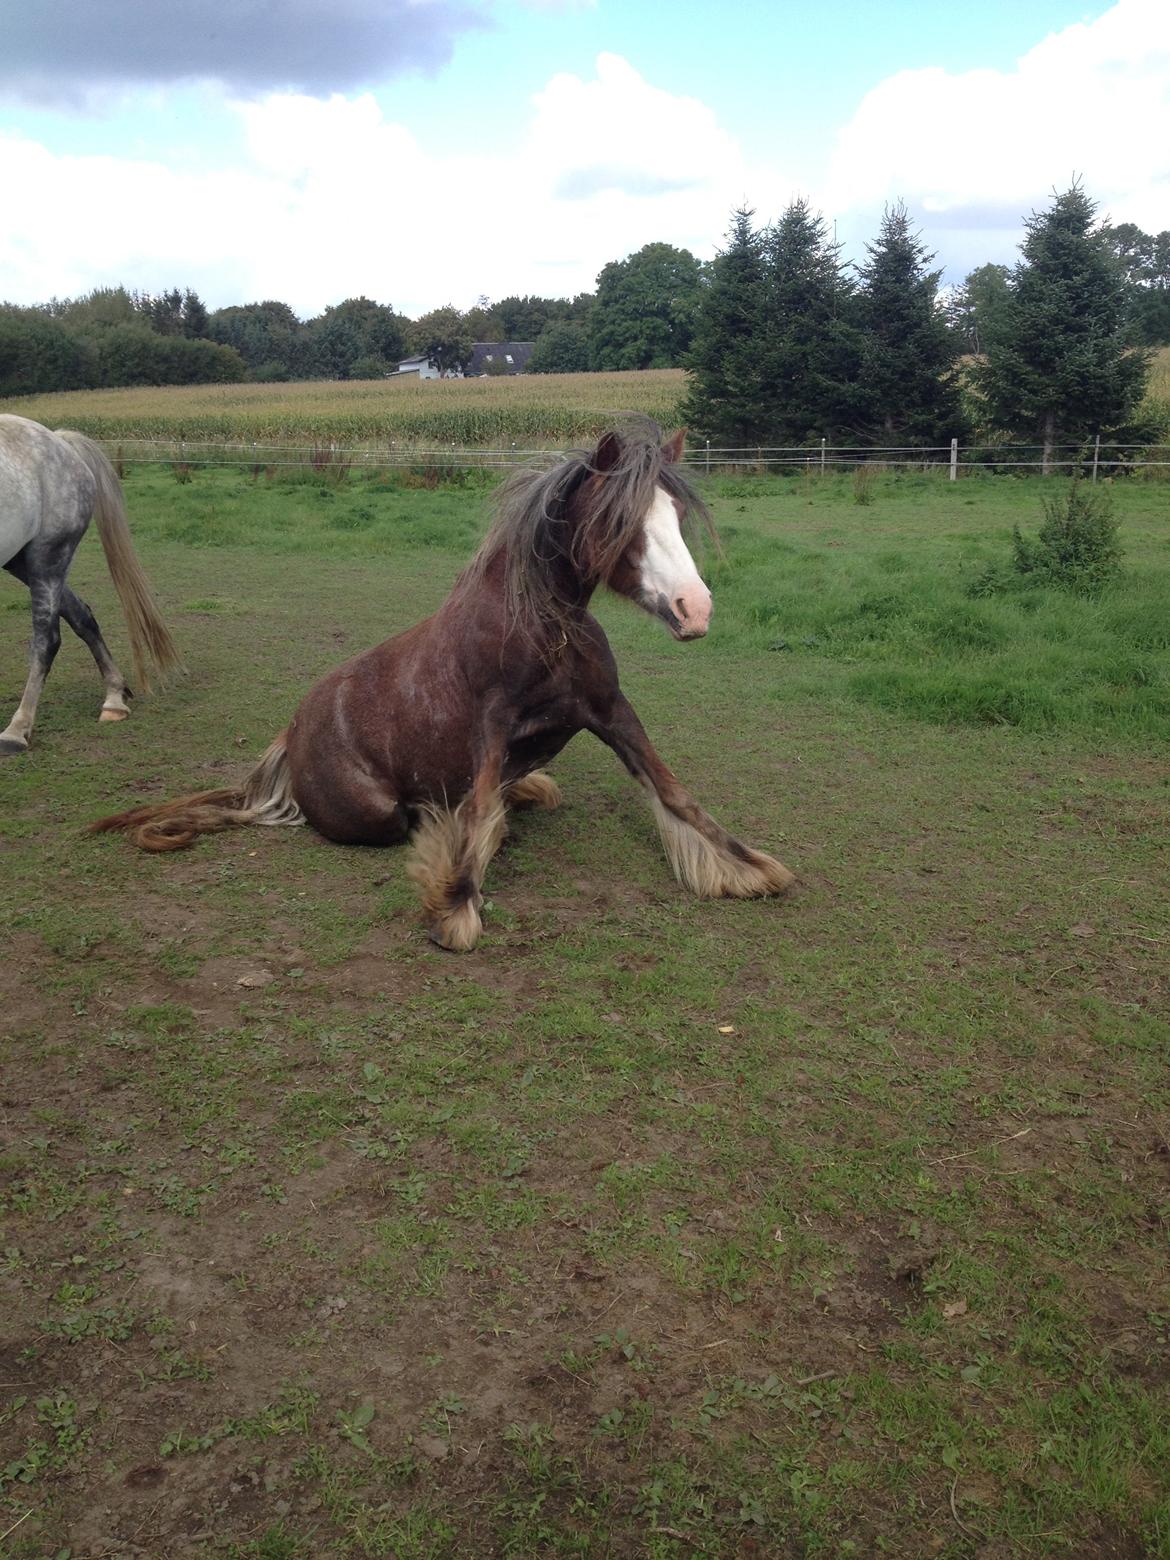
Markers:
(588, 509)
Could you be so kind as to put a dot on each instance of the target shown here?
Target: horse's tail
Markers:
(150, 642)
(265, 797)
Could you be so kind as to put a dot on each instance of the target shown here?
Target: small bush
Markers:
(992, 580)
(1077, 546)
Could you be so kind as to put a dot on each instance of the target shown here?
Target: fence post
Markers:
(823, 442)
(1096, 455)
(954, 459)
(708, 457)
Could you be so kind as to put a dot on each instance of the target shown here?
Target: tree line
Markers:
(784, 342)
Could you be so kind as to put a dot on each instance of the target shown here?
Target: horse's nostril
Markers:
(680, 606)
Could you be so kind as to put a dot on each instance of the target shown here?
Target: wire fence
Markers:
(953, 460)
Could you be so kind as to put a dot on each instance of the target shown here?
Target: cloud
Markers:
(331, 199)
(967, 149)
(64, 50)
(581, 183)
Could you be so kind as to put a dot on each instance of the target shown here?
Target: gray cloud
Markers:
(64, 49)
(581, 183)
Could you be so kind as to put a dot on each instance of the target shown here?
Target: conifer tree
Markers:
(809, 348)
(909, 392)
(1058, 369)
(724, 401)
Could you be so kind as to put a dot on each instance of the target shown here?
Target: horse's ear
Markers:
(608, 453)
(673, 448)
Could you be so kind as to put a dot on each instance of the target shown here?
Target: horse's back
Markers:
(45, 487)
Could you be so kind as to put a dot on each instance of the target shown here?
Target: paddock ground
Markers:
(653, 1227)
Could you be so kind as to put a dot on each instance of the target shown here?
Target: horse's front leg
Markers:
(451, 854)
(706, 859)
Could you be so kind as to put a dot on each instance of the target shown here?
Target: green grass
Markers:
(653, 1227)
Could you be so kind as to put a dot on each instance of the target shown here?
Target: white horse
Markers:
(51, 486)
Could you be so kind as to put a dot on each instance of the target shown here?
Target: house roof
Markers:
(514, 353)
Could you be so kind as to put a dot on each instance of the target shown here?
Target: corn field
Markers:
(530, 410)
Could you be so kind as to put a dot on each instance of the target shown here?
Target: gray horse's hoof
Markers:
(9, 748)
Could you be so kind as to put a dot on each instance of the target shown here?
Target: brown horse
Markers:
(441, 728)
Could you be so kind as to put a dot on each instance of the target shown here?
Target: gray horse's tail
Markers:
(150, 642)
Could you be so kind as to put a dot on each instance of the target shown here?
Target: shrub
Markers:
(1077, 546)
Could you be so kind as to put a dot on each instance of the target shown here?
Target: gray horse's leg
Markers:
(45, 591)
(83, 623)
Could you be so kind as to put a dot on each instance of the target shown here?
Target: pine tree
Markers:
(809, 348)
(195, 316)
(1058, 368)
(724, 402)
(909, 392)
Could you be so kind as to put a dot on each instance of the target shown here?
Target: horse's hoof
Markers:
(10, 747)
(114, 715)
(457, 931)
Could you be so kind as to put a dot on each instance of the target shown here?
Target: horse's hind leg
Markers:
(533, 790)
(45, 591)
(83, 623)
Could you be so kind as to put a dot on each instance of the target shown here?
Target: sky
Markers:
(426, 152)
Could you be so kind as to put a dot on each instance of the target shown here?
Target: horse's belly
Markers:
(535, 751)
(18, 519)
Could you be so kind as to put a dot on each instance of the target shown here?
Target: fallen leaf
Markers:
(1082, 929)
(726, 1029)
(954, 1308)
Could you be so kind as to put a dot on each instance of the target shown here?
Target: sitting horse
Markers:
(438, 730)
(51, 486)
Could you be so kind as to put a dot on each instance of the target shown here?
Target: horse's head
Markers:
(655, 567)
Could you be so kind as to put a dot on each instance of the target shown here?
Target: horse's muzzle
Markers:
(689, 627)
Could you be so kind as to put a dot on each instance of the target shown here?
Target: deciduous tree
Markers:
(561, 348)
(644, 316)
(444, 337)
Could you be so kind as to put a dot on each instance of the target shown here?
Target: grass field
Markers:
(653, 1227)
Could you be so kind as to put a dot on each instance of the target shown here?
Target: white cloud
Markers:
(972, 152)
(332, 199)
(329, 197)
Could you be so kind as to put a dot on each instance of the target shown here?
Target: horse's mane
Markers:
(530, 527)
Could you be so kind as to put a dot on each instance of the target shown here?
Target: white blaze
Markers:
(668, 570)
